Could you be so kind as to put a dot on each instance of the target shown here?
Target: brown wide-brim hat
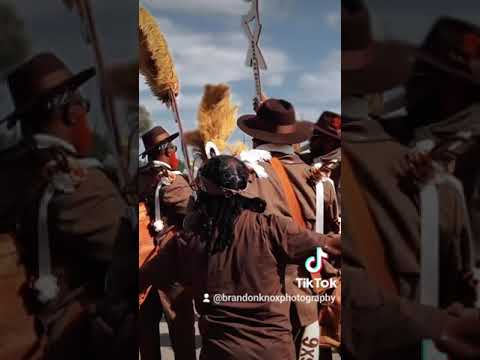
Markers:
(370, 66)
(275, 123)
(453, 46)
(39, 79)
(156, 137)
(329, 124)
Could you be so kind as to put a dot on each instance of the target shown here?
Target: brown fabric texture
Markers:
(84, 228)
(17, 335)
(255, 263)
(289, 193)
(370, 314)
(271, 190)
(173, 300)
(369, 246)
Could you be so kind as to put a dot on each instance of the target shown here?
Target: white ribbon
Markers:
(430, 262)
(158, 224)
(46, 284)
(319, 213)
(309, 347)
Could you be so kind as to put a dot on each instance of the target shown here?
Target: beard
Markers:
(83, 141)
(173, 161)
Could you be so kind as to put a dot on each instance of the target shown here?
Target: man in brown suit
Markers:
(382, 315)
(325, 155)
(165, 193)
(71, 217)
(443, 98)
(234, 248)
(274, 130)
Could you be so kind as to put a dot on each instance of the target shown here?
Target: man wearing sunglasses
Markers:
(70, 217)
(164, 195)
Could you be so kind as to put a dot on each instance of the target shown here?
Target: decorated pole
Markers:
(255, 59)
(85, 12)
(178, 120)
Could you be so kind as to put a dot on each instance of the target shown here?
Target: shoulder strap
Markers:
(365, 235)
(292, 200)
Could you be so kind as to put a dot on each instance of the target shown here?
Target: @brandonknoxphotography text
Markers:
(313, 264)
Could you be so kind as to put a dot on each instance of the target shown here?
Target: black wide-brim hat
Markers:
(329, 124)
(453, 46)
(156, 137)
(38, 80)
(275, 123)
(370, 66)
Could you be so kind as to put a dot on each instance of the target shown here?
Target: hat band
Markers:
(277, 129)
(53, 79)
(356, 59)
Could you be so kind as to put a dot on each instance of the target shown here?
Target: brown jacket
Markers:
(254, 264)
(174, 200)
(371, 315)
(17, 335)
(85, 227)
(271, 191)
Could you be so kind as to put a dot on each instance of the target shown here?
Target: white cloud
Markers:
(333, 19)
(277, 8)
(323, 86)
(223, 7)
(186, 101)
(202, 58)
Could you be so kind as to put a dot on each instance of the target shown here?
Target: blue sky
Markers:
(300, 43)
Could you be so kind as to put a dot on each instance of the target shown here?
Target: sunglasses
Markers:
(171, 146)
(69, 98)
(84, 103)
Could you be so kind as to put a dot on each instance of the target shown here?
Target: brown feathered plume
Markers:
(216, 119)
(156, 64)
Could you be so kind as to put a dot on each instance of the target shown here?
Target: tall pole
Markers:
(255, 59)
(107, 97)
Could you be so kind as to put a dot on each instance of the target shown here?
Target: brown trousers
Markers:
(181, 326)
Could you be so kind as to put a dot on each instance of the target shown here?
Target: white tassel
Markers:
(47, 287)
(158, 226)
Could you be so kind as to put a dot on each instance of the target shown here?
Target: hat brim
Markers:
(155, 147)
(303, 131)
(424, 56)
(73, 82)
(391, 66)
(330, 134)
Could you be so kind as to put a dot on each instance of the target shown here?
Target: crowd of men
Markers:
(66, 222)
(399, 254)
(407, 192)
(248, 230)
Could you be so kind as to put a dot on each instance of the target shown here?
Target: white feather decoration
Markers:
(253, 158)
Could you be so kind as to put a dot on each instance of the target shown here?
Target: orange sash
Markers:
(365, 234)
(292, 200)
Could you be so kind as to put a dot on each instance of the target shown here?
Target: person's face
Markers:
(168, 154)
(77, 120)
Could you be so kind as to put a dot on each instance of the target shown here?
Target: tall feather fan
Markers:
(216, 120)
(156, 64)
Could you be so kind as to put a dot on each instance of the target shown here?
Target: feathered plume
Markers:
(156, 64)
(217, 115)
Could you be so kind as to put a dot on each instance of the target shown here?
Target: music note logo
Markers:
(317, 259)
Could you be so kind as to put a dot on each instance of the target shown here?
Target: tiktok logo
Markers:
(318, 260)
